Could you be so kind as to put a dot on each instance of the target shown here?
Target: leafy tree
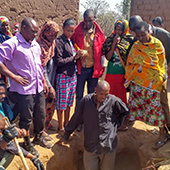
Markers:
(126, 9)
(123, 9)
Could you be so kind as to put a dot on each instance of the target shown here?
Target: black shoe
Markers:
(39, 140)
(30, 148)
(79, 128)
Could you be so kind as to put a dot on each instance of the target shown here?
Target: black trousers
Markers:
(31, 108)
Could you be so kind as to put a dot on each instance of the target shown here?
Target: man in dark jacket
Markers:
(101, 113)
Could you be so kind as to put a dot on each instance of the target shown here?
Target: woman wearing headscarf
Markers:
(5, 33)
(46, 41)
(116, 49)
(145, 72)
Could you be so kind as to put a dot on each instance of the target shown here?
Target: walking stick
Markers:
(17, 146)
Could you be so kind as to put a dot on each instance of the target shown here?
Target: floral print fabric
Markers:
(144, 105)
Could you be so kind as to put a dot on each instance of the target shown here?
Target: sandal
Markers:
(46, 136)
(159, 144)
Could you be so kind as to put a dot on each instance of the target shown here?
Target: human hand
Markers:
(39, 165)
(45, 87)
(116, 39)
(21, 132)
(52, 92)
(79, 54)
(9, 133)
(62, 140)
(21, 80)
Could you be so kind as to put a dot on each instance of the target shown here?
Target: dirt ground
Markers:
(71, 155)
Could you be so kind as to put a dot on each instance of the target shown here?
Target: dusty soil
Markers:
(133, 152)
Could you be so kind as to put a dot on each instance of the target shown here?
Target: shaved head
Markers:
(133, 21)
(102, 91)
(103, 85)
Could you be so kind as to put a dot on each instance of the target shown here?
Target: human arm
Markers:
(50, 87)
(5, 139)
(12, 149)
(46, 76)
(164, 37)
(63, 53)
(6, 55)
(45, 86)
(116, 39)
(162, 60)
(75, 121)
(121, 110)
(21, 132)
(39, 165)
(19, 79)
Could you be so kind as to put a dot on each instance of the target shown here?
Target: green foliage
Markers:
(123, 9)
(126, 8)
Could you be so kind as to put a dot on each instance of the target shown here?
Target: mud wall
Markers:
(40, 10)
(149, 9)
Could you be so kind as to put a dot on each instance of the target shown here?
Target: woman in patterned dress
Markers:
(66, 78)
(47, 43)
(116, 49)
(145, 72)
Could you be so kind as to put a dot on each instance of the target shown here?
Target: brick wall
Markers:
(149, 9)
(40, 10)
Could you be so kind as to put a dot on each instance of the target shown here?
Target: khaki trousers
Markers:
(103, 161)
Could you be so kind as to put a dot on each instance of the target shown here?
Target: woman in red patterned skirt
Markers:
(66, 79)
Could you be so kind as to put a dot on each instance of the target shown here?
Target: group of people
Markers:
(44, 73)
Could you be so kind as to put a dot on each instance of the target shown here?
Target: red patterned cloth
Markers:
(144, 105)
(65, 90)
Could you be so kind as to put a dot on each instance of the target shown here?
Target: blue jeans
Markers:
(86, 75)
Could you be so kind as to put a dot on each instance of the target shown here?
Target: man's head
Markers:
(2, 97)
(102, 91)
(29, 29)
(2, 90)
(133, 21)
(158, 22)
(142, 32)
(88, 19)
